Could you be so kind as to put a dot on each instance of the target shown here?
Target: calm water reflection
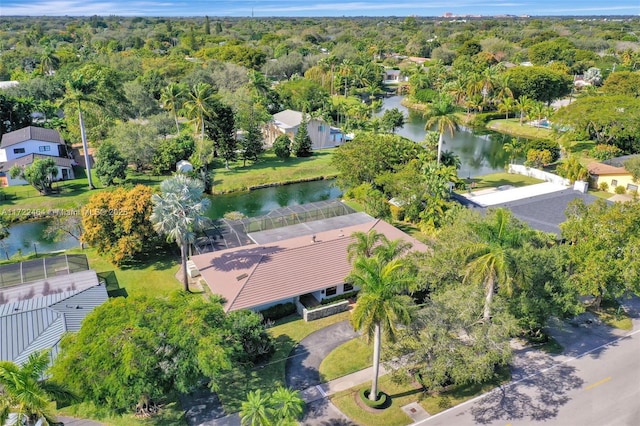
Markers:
(480, 152)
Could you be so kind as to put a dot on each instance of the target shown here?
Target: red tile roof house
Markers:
(257, 277)
(21, 147)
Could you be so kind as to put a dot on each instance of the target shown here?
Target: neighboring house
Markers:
(613, 173)
(286, 269)
(22, 146)
(287, 123)
(35, 315)
(393, 76)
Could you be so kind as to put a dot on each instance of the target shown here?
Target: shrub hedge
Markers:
(278, 311)
(379, 403)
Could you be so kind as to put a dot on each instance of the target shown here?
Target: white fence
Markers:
(538, 174)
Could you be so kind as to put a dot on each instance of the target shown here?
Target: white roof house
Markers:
(35, 315)
(288, 121)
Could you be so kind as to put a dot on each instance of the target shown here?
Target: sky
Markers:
(265, 8)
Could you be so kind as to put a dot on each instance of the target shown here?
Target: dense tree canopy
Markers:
(117, 223)
(131, 352)
(539, 83)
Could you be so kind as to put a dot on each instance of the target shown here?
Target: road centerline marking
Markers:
(593, 385)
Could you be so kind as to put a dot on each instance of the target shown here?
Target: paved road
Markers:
(594, 383)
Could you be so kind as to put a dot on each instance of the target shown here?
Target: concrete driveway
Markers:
(304, 360)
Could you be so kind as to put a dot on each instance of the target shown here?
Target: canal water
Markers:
(480, 151)
(480, 154)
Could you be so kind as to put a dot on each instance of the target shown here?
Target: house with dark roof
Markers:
(612, 173)
(284, 269)
(21, 147)
(288, 122)
(35, 315)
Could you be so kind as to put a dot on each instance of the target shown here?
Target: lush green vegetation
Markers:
(286, 333)
(513, 127)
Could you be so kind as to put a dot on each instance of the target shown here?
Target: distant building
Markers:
(288, 121)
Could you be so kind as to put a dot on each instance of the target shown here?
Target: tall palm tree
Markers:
(524, 104)
(442, 115)
(23, 392)
(48, 61)
(255, 410)
(172, 97)
(490, 259)
(78, 91)
(199, 106)
(178, 212)
(506, 105)
(380, 307)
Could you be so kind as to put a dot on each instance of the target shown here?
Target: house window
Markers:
(614, 183)
(321, 128)
(347, 287)
(331, 291)
(18, 150)
(44, 148)
(631, 187)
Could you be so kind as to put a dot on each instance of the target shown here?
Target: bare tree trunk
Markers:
(185, 277)
(175, 116)
(486, 317)
(439, 147)
(373, 395)
(85, 147)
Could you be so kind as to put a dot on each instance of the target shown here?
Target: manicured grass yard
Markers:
(512, 127)
(272, 170)
(352, 356)
(287, 333)
(497, 179)
(403, 394)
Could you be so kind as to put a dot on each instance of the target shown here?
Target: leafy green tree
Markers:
(490, 260)
(392, 119)
(538, 158)
(539, 83)
(622, 83)
(178, 213)
(573, 170)
(287, 406)
(364, 244)
(136, 142)
(170, 151)
(604, 119)
(24, 392)
(282, 146)
(381, 307)
(302, 145)
(601, 255)
(14, 113)
(442, 116)
(222, 131)
(39, 174)
(117, 223)
(110, 165)
(368, 156)
(632, 165)
(131, 352)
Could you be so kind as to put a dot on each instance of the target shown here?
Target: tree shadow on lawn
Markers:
(160, 258)
(535, 397)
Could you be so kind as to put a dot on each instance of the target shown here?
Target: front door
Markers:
(65, 174)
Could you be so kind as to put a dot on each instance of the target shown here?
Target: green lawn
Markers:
(497, 179)
(612, 314)
(403, 394)
(171, 414)
(355, 355)
(512, 127)
(287, 333)
(272, 170)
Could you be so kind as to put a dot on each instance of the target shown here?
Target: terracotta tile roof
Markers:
(600, 169)
(31, 133)
(256, 275)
